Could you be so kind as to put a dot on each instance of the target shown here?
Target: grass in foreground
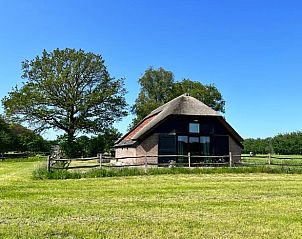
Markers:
(161, 206)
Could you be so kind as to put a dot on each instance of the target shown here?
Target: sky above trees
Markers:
(251, 50)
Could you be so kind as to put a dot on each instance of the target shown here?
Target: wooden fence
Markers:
(141, 161)
(273, 160)
(14, 155)
(188, 161)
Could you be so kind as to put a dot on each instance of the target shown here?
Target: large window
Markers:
(167, 146)
(194, 145)
(194, 128)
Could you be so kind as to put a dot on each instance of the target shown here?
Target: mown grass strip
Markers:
(25, 159)
(193, 206)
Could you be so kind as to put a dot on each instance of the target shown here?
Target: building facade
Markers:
(180, 127)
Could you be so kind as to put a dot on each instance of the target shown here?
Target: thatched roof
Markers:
(181, 105)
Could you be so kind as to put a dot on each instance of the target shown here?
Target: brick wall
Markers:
(149, 147)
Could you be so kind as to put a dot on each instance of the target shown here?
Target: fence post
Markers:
(269, 158)
(146, 163)
(48, 163)
(189, 159)
(100, 156)
(231, 160)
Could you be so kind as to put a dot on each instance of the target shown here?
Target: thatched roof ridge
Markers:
(181, 105)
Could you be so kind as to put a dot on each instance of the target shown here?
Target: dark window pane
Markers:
(194, 127)
(167, 146)
(182, 148)
(205, 145)
(194, 145)
(183, 139)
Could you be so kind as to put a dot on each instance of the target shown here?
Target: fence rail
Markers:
(188, 161)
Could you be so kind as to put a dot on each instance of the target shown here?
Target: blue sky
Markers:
(251, 50)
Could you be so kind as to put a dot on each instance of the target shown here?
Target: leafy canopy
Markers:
(158, 87)
(14, 137)
(5, 136)
(287, 143)
(69, 90)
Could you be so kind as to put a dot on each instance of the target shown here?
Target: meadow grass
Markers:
(25, 159)
(220, 205)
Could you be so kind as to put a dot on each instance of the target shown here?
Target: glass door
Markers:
(194, 148)
(182, 145)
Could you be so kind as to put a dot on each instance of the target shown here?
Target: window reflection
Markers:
(194, 128)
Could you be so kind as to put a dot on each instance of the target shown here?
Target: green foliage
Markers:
(5, 136)
(14, 137)
(257, 146)
(155, 90)
(289, 143)
(69, 90)
(158, 87)
(42, 173)
(207, 94)
(103, 143)
(27, 140)
(84, 146)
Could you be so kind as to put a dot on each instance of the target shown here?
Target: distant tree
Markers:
(104, 142)
(208, 94)
(27, 140)
(70, 90)
(257, 146)
(5, 136)
(157, 87)
(88, 147)
(155, 90)
(14, 137)
(289, 143)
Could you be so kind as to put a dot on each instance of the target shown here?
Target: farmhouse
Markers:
(181, 126)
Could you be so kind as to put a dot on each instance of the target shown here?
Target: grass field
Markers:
(161, 206)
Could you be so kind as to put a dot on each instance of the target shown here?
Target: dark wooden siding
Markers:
(180, 125)
(209, 126)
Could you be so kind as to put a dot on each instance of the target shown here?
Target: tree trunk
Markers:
(71, 147)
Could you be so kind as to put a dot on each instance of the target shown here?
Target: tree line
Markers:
(15, 137)
(288, 143)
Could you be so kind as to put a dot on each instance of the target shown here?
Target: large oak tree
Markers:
(69, 90)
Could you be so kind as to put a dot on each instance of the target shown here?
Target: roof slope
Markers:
(181, 105)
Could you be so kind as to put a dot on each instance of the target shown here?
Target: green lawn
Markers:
(162, 206)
